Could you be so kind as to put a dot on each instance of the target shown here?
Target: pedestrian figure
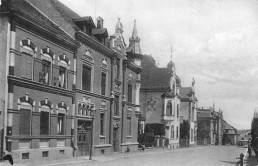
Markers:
(249, 151)
(127, 149)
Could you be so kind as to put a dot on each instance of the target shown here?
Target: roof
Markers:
(204, 114)
(100, 31)
(186, 93)
(29, 9)
(154, 77)
(227, 126)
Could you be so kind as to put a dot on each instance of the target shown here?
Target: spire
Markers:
(135, 34)
(134, 40)
(119, 27)
(193, 82)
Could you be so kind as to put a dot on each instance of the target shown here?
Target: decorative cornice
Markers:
(39, 137)
(38, 86)
(92, 94)
(135, 67)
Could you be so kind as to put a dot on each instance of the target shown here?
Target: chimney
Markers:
(100, 22)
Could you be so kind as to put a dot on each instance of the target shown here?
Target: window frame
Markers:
(103, 87)
(129, 125)
(102, 124)
(130, 93)
(90, 81)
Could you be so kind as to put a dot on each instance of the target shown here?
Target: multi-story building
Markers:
(57, 69)
(229, 134)
(188, 107)
(160, 100)
(206, 130)
(210, 125)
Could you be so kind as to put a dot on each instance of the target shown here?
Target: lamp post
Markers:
(92, 113)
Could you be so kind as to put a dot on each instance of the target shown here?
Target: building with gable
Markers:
(160, 100)
(57, 68)
(188, 109)
(229, 134)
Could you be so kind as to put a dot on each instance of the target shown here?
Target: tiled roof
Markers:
(100, 31)
(31, 10)
(58, 13)
(152, 76)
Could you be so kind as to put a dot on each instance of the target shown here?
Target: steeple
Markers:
(134, 40)
(193, 82)
(119, 27)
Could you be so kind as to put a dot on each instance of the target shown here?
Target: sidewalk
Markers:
(68, 161)
(251, 161)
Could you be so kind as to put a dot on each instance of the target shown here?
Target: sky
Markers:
(214, 41)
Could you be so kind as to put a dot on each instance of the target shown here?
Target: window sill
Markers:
(102, 136)
(129, 136)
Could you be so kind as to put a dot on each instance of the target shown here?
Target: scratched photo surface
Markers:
(128, 82)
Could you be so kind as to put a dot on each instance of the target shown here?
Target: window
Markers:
(177, 110)
(172, 132)
(25, 116)
(86, 78)
(45, 72)
(117, 68)
(129, 126)
(169, 109)
(116, 105)
(103, 84)
(177, 132)
(192, 134)
(60, 123)
(44, 123)
(102, 121)
(26, 66)
(129, 93)
(62, 77)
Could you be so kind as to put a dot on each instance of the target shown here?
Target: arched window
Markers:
(25, 106)
(28, 50)
(45, 109)
(47, 57)
(64, 64)
(61, 117)
(169, 108)
(172, 132)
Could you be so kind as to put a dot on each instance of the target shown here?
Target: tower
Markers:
(119, 27)
(134, 40)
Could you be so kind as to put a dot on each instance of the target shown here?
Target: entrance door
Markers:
(115, 139)
(84, 137)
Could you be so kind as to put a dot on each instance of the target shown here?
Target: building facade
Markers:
(188, 106)
(57, 69)
(160, 100)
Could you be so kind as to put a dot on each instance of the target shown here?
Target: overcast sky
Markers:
(214, 41)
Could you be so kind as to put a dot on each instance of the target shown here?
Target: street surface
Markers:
(197, 156)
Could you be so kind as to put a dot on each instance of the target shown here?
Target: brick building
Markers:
(57, 68)
(160, 100)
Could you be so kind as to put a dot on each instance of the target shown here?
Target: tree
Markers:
(185, 129)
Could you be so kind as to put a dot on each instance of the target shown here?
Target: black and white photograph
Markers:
(129, 82)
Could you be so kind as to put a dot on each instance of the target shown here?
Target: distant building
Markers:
(210, 125)
(206, 130)
(160, 100)
(243, 137)
(229, 134)
(188, 109)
